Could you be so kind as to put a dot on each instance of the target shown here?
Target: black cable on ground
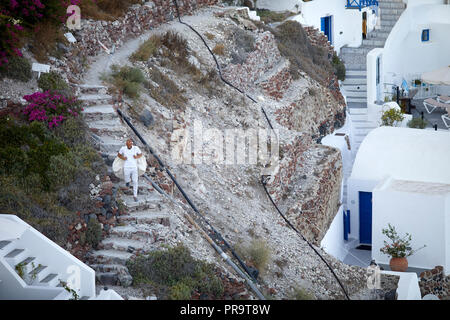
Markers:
(270, 124)
(191, 204)
(263, 182)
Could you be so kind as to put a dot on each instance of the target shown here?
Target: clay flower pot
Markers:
(399, 264)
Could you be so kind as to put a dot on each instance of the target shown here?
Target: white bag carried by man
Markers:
(117, 166)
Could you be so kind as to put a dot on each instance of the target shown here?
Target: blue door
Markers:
(326, 27)
(365, 217)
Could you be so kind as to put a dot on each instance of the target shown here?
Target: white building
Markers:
(343, 26)
(401, 176)
(418, 43)
(32, 267)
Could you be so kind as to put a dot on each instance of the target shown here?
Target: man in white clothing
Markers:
(130, 154)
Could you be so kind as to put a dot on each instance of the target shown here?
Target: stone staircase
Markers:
(389, 13)
(354, 87)
(29, 267)
(148, 222)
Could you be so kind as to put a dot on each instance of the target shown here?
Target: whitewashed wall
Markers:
(405, 55)
(422, 214)
(346, 23)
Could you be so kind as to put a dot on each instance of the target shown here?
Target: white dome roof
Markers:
(405, 154)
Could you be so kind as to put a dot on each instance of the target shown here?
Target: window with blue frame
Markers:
(425, 35)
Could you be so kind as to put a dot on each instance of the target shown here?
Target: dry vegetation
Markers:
(105, 9)
(219, 49)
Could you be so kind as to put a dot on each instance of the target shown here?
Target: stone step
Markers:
(355, 73)
(15, 256)
(394, 11)
(50, 280)
(92, 88)
(144, 202)
(147, 217)
(356, 95)
(126, 245)
(95, 99)
(357, 111)
(5, 247)
(112, 127)
(100, 112)
(27, 264)
(390, 5)
(111, 256)
(134, 232)
(355, 82)
(374, 42)
(38, 274)
(109, 268)
(356, 99)
(354, 87)
(109, 144)
(388, 23)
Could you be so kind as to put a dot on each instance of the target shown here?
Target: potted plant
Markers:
(399, 249)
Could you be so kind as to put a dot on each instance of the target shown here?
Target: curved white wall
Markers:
(405, 54)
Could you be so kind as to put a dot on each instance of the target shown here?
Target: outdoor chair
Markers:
(443, 99)
(430, 104)
(446, 118)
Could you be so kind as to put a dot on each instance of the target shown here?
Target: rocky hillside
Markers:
(181, 89)
(170, 86)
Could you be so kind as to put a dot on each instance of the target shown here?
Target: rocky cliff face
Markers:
(305, 183)
(306, 180)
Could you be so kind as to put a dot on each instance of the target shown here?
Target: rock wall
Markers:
(265, 57)
(307, 186)
(137, 20)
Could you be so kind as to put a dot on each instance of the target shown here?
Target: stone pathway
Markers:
(147, 223)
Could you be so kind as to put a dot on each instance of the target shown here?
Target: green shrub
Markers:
(52, 81)
(392, 116)
(93, 232)
(28, 149)
(339, 67)
(18, 68)
(176, 270)
(180, 291)
(127, 79)
(417, 123)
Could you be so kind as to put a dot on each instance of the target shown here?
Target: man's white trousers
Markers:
(132, 173)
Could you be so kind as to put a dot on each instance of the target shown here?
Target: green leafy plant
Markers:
(18, 68)
(52, 81)
(175, 273)
(127, 79)
(75, 295)
(391, 117)
(398, 247)
(93, 232)
(417, 123)
(20, 269)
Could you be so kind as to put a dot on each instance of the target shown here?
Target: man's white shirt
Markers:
(131, 162)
